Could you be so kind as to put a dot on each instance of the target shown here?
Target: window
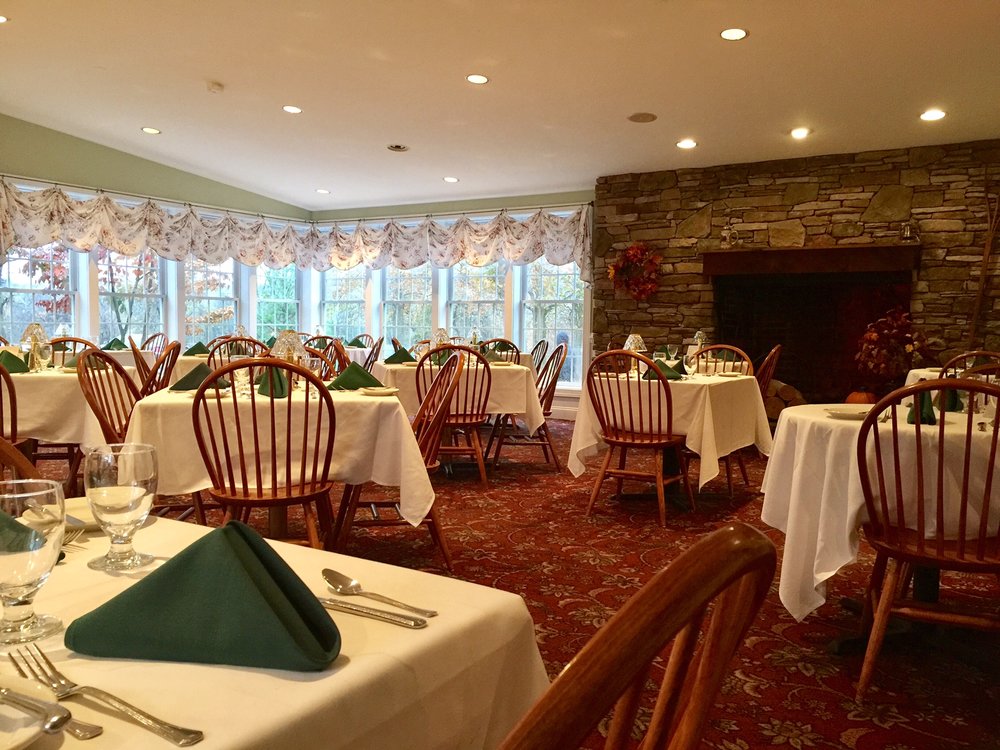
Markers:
(211, 300)
(406, 306)
(36, 286)
(476, 300)
(131, 298)
(342, 304)
(277, 301)
(552, 309)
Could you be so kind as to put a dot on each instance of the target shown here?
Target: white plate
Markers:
(729, 374)
(209, 393)
(18, 729)
(856, 413)
(410, 364)
(199, 356)
(502, 363)
(384, 391)
(78, 514)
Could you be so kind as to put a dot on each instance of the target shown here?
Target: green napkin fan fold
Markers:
(193, 380)
(228, 598)
(668, 372)
(927, 416)
(399, 356)
(12, 363)
(270, 342)
(115, 345)
(198, 348)
(273, 383)
(356, 342)
(353, 377)
(16, 537)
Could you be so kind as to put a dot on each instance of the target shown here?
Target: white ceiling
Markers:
(564, 77)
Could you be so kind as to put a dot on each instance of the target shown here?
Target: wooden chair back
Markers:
(434, 409)
(548, 378)
(765, 373)
(4, 341)
(713, 589)
(327, 369)
(142, 368)
(155, 344)
(222, 351)
(373, 354)
(319, 341)
(631, 410)
(538, 352)
(67, 347)
(19, 465)
(337, 354)
(109, 390)
(396, 345)
(468, 406)
(159, 374)
(365, 338)
(715, 358)
(958, 364)
(505, 349)
(419, 347)
(8, 406)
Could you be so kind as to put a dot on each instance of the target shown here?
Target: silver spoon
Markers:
(347, 586)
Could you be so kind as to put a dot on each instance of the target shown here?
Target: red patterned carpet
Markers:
(527, 534)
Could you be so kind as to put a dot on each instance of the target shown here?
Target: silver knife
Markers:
(53, 716)
(376, 614)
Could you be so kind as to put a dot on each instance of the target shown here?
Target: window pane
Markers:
(131, 303)
(36, 286)
(407, 305)
(553, 310)
(277, 301)
(342, 308)
(210, 300)
(477, 300)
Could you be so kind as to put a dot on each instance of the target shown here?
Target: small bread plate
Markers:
(68, 369)
(383, 391)
(78, 514)
(200, 356)
(410, 364)
(501, 363)
(210, 393)
(20, 729)
(855, 413)
(729, 374)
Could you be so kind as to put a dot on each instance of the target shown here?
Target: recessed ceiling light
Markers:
(800, 133)
(4, 19)
(150, 131)
(450, 179)
(322, 191)
(642, 117)
(733, 35)
(398, 147)
(477, 78)
(292, 109)
(932, 114)
(687, 143)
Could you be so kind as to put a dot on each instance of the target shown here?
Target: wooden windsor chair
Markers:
(713, 590)
(765, 373)
(419, 346)
(319, 341)
(958, 364)
(635, 413)
(396, 345)
(142, 367)
(328, 370)
(8, 417)
(932, 501)
(66, 347)
(373, 354)
(505, 349)
(109, 391)
(221, 353)
(468, 407)
(365, 338)
(155, 344)
(159, 374)
(13, 459)
(337, 354)
(538, 352)
(271, 453)
(428, 425)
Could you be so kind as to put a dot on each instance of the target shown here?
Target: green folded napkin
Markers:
(193, 380)
(949, 400)
(60, 346)
(17, 537)
(668, 372)
(439, 358)
(273, 383)
(320, 344)
(492, 356)
(353, 377)
(198, 348)
(679, 368)
(399, 356)
(228, 598)
(926, 410)
(115, 345)
(270, 342)
(12, 363)
(356, 341)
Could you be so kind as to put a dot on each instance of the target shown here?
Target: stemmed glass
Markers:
(120, 480)
(672, 350)
(43, 355)
(32, 524)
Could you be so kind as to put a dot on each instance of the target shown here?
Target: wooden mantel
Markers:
(841, 259)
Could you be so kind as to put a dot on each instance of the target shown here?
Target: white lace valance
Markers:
(33, 218)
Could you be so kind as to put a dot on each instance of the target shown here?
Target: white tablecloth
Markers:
(922, 373)
(462, 682)
(717, 415)
(374, 443)
(512, 391)
(125, 357)
(357, 353)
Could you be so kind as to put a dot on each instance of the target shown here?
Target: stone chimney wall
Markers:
(821, 201)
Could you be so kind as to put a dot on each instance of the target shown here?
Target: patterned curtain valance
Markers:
(33, 218)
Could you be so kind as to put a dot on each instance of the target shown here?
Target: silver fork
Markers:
(71, 535)
(45, 672)
(79, 729)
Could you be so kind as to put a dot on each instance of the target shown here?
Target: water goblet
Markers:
(672, 351)
(43, 355)
(120, 480)
(32, 524)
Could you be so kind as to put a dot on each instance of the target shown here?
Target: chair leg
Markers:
(312, 533)
(477, 446)
(729, 474)
(74, 469)
(621, 467)
(433, 524)
(547, 437)
(345, 518)
(685, 465)
(199, 509)
(879, 625)
(600, 478)
(495, 431)
(660, 494)
(743, 468)
(872, 592)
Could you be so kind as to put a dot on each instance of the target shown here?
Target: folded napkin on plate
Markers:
(926, 410)
(273, 383)
(114, 345)
(399, 356)
(60, 346)
(228, 598)
(270, 342)
(492, 356)
(12, 363)
(353, 377)
(320, 344)
(16, 537)
(198, 348)
(668, 372)
(356, 342)
(198, 375)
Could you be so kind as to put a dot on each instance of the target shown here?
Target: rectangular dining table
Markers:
(717, 414)
(461, 682)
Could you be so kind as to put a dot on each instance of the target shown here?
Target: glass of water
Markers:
(120, 480)
(43, 355)
(672, 351)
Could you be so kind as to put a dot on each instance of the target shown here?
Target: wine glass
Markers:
(43, 355)
(32, 523)
(672, 351)
(120, 480)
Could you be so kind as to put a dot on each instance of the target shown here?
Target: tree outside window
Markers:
(129, 293)
(277, 301)
(343, 304)
(406, 305)
(36, 287)
(553, 310)
(211, 302)
(476, 300)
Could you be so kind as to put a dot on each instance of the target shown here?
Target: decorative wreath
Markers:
(637, 271)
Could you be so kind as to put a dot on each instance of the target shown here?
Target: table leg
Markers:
(277, 522)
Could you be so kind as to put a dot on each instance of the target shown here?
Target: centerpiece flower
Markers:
(637, 270)
(887, 350)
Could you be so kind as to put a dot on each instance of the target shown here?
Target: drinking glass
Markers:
(32, 523)
(120, 480)
(43, 355)
(672, 351)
